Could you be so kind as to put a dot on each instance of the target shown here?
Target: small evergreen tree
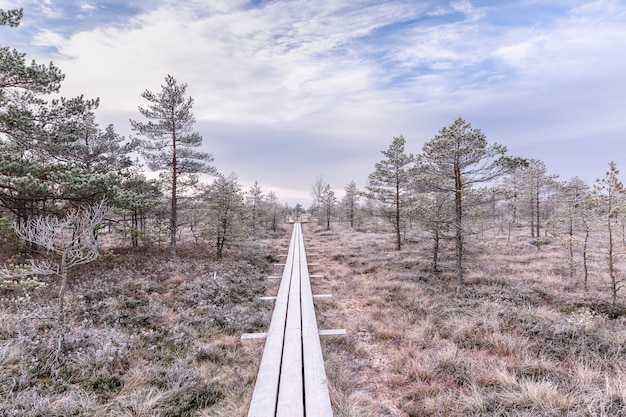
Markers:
(571, 221)
(456, 160)
(227, 212)
(255, 200)
(327, 200)
(609, 195)
(171, 142)
(350, 202)
(273, 211)
(390, 181)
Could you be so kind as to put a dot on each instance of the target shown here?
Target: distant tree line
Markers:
(459, 186)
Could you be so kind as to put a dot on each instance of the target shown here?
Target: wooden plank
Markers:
(316, 395)
(263, 403)
(248, 336)
(316, 296)
(332, 332)
(292, 380)
(290, 399)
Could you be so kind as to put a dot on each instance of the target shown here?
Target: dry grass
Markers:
(523, 339)
(149, 339)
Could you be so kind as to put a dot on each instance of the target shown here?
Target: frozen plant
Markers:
(66, 242)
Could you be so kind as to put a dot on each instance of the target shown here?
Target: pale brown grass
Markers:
(522, 339)
(148, 339)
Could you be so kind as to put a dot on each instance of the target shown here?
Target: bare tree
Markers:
(317, 191)
(67, 242)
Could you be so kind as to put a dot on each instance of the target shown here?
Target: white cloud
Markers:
(271, 64)
(342, 77)
(86, 6)
(48, 37)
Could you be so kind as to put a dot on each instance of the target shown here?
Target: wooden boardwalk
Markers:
(292, 380)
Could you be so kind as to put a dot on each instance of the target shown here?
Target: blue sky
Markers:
(286, 91)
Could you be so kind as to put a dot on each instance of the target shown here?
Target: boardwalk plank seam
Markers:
(291, 381)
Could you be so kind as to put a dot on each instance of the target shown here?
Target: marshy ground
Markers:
(148, 338)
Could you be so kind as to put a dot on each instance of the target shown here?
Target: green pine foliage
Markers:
(51, 151)
(390, 181)
(169, 142)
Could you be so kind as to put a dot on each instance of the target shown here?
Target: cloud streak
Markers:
(323, 86)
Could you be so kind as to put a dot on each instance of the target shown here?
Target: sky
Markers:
(286, 91)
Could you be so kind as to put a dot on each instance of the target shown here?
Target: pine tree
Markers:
(274, 210)
(171, 142)
(351, 201)
(609, 195)
(53, 150)
(327, 200)
(255, 201)
(456, 160)
(390, 180)
(226, 212)
(571, 221)
(11, 18)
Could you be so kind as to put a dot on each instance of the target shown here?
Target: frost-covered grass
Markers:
(151, 339)
(522, 339)
(145, 338)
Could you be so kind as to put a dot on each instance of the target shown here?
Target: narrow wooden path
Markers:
(292, 380)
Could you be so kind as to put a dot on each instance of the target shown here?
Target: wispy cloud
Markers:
(335, 79)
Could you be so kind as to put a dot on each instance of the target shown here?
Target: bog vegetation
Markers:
(470, 281)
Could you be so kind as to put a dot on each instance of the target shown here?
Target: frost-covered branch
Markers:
(69, 241)
(73, 237)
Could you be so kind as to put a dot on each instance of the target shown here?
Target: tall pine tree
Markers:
(170, 142)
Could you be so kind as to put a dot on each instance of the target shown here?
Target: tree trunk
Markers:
(62, 288)
(220, 247)
(134, 229)
(328, 216)
(586, 270)
(532, 215)
(435, 267)
(459, 225)
(351, 214)
(174, 217)
(398, 237)
(612, 272)
(571, 246)
(537, 223)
